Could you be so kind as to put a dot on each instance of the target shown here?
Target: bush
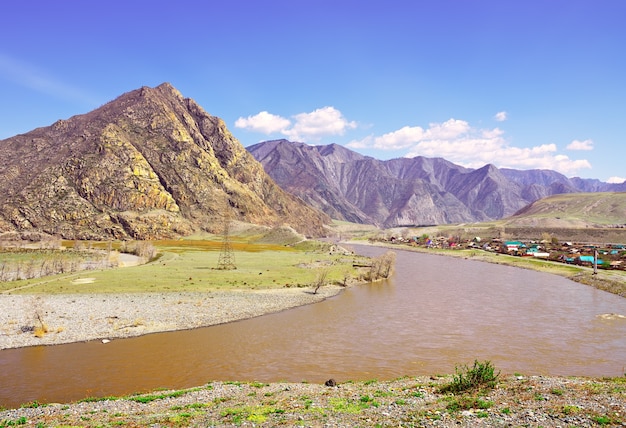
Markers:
(382, 267)
(142, 249)
(480, 375)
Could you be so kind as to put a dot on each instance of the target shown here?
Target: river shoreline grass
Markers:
(515, 400)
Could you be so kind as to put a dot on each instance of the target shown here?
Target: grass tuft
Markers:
(480, 375)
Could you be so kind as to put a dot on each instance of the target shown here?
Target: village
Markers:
(600, 256)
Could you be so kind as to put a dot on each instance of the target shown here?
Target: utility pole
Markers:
(226, 260)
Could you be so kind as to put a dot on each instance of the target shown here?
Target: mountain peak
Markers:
(168, 90)
(149, 164)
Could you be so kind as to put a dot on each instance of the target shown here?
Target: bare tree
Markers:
(38, 309)
(145, 250)
(320, 278)
(18, 270)
(345, 276)
(42, 268)
(375, 268)
(387, 264)
(382, 266)
(30, 269)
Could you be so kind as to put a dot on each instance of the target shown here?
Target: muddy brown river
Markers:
(434, 313)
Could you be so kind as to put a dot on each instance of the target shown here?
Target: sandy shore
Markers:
(83, 317)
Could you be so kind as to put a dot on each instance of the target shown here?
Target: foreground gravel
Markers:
(82, 317)
(516, 401)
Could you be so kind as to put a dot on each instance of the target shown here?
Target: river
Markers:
(435, 312)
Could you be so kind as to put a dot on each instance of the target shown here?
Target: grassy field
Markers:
(191, 265)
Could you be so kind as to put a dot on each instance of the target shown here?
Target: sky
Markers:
(517, 84)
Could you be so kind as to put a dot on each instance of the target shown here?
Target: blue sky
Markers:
(519, 84)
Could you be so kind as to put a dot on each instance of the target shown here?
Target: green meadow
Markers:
(192, 266)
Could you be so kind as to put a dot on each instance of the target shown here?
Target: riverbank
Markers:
(411, 401)
(612, 281)
(70, 318)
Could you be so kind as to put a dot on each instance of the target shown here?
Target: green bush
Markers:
(480, 375)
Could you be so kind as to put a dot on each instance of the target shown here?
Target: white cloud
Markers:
(580, 145)
(316, 124)
(400, 139)
(306, 127)
(616, 180)
(409, 135)
(501, 116)
(263, 122)
(457, 141)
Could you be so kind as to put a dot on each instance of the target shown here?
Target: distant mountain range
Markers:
(153, 164)
(408, 191)
(149, 164)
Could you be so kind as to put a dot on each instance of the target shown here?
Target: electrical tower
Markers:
(226, 259)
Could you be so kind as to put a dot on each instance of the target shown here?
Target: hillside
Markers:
(604, 209)
(149, 164)
(594, 218)
(408, 191)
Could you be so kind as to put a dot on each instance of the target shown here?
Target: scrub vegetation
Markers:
(514, 400)
(481, 375)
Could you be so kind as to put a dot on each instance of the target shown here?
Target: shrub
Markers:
(41, 330)
(142, 249)
(480, 375)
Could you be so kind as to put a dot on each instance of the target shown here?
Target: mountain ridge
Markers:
(408, 191)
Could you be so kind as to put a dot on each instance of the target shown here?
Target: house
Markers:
(512, 246)
(589, 259)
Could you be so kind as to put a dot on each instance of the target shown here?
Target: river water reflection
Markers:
(436, 312)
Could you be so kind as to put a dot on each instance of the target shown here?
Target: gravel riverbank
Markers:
(516, 401)
(82, 317)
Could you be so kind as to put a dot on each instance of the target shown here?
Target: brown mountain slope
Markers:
(149, 164)
(574, 210)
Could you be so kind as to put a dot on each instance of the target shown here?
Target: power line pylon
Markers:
(226, 260)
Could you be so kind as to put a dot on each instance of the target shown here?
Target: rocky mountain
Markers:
(149, 164)
(408, 191)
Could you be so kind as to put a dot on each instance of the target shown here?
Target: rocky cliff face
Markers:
(150, 164)
(416, 191)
